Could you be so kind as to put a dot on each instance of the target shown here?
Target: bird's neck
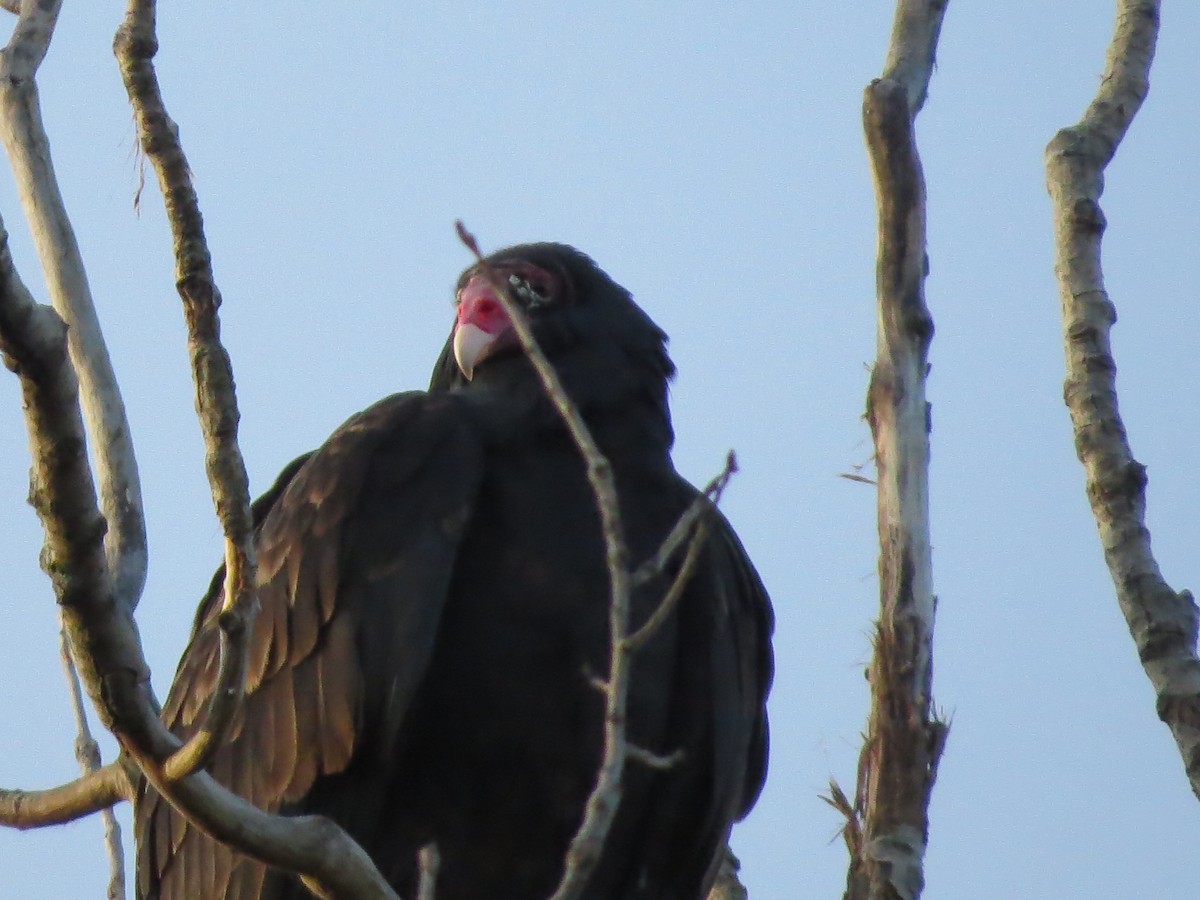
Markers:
(625, 412)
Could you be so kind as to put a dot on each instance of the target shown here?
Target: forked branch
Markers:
(1162, 621)
(31, 337)
(695, 521)
(111, 663)
(99, 624)
(28, 152)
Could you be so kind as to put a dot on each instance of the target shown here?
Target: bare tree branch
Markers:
(709, 498)
(93, 792)
(30, 39)
(100, 628)
(904, 738)
(330, 863)
(33, 341)
(29, 154)
(135, 45)
(1163, 622)
(711, 495)
(97, 590)
(125, 537)
(103, 632)
(105, 638)
(912, 49)
(87, 754)
(99, 625)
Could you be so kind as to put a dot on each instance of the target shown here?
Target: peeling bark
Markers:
(887, 829)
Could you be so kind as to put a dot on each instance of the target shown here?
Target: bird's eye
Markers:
(531, 295)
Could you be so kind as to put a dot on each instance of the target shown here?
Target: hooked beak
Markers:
(482, 324)
(471, 346)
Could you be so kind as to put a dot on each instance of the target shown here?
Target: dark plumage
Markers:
(433, 599)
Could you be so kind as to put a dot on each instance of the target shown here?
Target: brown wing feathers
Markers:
(302, 714)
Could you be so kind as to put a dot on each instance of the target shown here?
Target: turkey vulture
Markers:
(433, 609)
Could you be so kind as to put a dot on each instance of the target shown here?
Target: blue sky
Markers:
(711, 159)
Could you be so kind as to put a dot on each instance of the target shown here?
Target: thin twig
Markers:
(654, 760)
(599, 471)
(710, 496)
(708, 499)
(601, 807)
(87, 754)
(679, 583)
(135, 45)
(851, 829)
(1162, 621)
(685, 529)
(227, 696)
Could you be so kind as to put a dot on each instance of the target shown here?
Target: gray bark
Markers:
(1161, 620)
(887, 830)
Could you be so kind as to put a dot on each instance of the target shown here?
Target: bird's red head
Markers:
(483, 327)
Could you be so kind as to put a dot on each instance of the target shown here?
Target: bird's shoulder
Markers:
(419, 445)
(375, 513)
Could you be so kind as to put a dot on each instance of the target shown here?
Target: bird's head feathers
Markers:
(603, 346)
